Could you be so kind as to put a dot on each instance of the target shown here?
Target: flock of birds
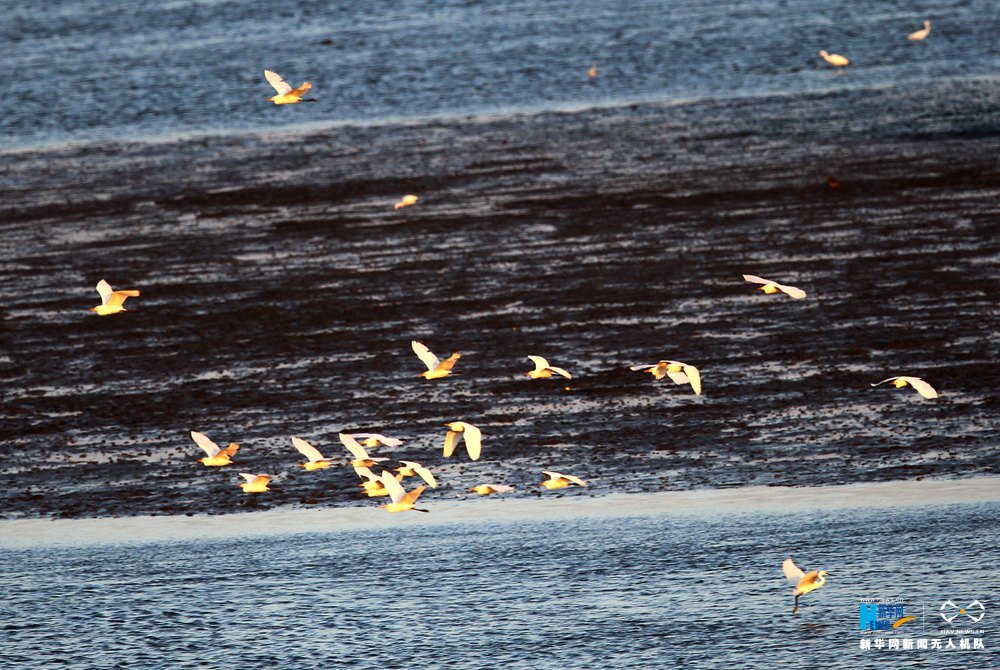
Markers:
(390, 482)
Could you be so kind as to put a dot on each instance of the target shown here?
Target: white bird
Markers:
(410, 468)
(436, 368)
(217, 456)
(376, 440)
(557, 480)
(487, 489)
(804, 582)
(401, 500)
(920, 35)
(406, 201)
(286, 95)
(773, 287)
(918, 384)
(679, 373)
(835, 60)
(592, 72)
(254, 483)
(112, 302)
(361, 457)
(473, 439)
(317, 461)
(544, 370)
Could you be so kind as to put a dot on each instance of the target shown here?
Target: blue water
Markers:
(102, 69)
(583, 592)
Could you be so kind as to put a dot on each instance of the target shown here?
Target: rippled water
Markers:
(591, 590)
(103, 69)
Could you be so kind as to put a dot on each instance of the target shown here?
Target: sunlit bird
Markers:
(918, 384)
(361, 457)
(472, 435)
(371, 481)
(411, 468)
(376, 440)
(436, 368)
(112, 302)
(557, 480)
(488, 489)
(592, 72)
(317, 461)
(254, 483)
(216, 455)
(804, 581)
(543, 370)
(920, 35)
(679, 373)
(287, 95)
(835, 60)
(406, 201)
(402, 500)
(773, 287)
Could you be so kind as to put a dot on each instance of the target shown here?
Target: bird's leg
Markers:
(420, 510)
(795, 610)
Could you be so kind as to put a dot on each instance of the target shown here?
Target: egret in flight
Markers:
(487, 489)
(473, 439)
(402, 500)
(361, 457)
(317, 461)
(254, 483)
(835, 60)
(773, 287)
(543, 370)
(921, 35)
(406, 201)
(679, 373)
(410, 468)
(918, 384)
(804, 582)
(592, 72)
(557, 480)
(112, 302)
(376, 440)
(436, 368)
(286, 95)
(216, 455)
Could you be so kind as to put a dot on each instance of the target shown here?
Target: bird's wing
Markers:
(678, 377)
(540, 363)
(365, 473)
(642, 367)
(553, 475)
(890, 379)
(104, 289)
(794, 292)
(424, 474)
(449, 443)
(757, 280)
(352, 446)
(211, 448)
(807, 580)
(792, 572)
(251, 478)
(695, 378)
(387, 441)
(425, 355)
(307, 450)
(449, 362)
(560, 371)
(275, 80)
(302, 89)
(393, 486)
(230, 450)
(922, 387)
(473, 440)
(412, 496)
(501, 488)
(118, 297)
(575, 480)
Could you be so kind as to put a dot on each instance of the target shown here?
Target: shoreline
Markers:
(35, 533)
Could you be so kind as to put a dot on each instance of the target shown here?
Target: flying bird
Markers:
(286, 95)
(679, 373)
(435, 368)
(543, 370)
(216, 455)
(487, 489)
(410, 468)
(112, 302)
(361, 457)
(835, 60)
(592, 72)
(406, 201)
(920, 35)
(773, 287)
(317, 461)
(557, 480)
(372, 482)
(918, 384)
(804, 582)
(254, 483)
(473, 439)
(402, 500)
(376, 440)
